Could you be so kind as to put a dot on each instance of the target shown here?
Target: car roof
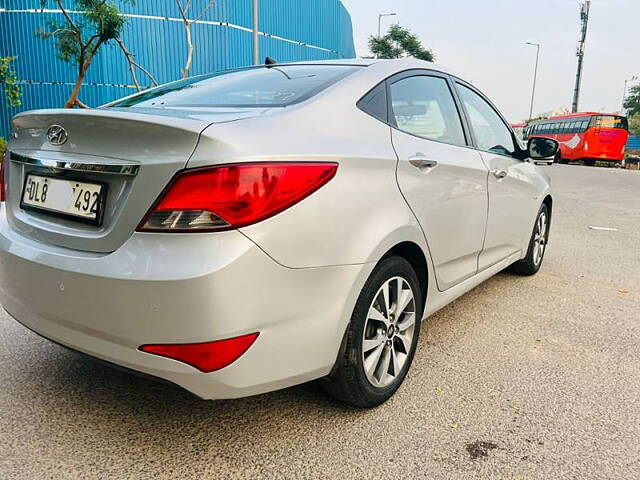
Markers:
(398, 64)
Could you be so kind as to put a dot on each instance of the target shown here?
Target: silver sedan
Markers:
(250, 230)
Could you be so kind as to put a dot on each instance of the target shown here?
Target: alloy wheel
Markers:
(540, 239)
(388, 332)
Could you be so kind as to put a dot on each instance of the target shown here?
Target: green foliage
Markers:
(9, 80)
(634, 124)
(399, 42)
(80, 36)
(3, 148)
(535, 119)
(632, 101)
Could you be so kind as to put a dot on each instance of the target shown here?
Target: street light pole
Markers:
(256, 40)
(380, 15)
(535, 77)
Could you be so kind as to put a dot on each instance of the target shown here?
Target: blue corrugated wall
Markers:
(633, 143)
(291, 30)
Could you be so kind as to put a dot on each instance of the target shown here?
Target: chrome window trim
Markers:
(130, 169)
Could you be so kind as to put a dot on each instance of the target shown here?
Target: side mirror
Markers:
(539, 148)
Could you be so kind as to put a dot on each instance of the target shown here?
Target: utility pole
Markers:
(535, 77)
(584, 17)
(256, 40)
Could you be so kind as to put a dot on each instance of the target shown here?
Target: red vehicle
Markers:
(588, 136)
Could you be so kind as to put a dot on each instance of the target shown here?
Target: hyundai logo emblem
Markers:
(57, 135)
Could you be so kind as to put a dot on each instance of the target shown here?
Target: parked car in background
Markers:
(250, 230)
(588, 136)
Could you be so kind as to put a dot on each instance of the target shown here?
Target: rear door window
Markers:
(375, 103)
(423, 106)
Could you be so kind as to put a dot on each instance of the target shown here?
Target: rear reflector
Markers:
(233, 196)
(206, 357)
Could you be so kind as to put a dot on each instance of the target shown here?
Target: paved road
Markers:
(540, 374)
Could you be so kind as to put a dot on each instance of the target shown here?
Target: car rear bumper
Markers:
(181, 288)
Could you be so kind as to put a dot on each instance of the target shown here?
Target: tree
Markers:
(130, 57)
(634, 124)
(184, 12)
(9, 81)
(632, 101)
(536, 119)
(399, 42)
(81, 35)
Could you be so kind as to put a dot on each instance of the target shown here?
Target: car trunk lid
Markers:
(135, 152)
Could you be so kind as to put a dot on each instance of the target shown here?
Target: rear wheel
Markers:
(530, 264)
(381, 338)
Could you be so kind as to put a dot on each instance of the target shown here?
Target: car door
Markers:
(513, 190)
(442, 178)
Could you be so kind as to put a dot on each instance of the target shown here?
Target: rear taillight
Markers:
(206, 357)
(233, 196)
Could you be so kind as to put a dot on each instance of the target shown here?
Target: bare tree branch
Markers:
(183, 13)
(204, 10)
(80, 104)
(70, 20)
(184, 9)
(133, 65)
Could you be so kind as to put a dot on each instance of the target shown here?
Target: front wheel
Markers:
(530, 264)
(381, 338)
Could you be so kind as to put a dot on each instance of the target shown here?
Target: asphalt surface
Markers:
(522, 378)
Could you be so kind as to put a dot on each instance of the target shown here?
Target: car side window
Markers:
(491, 133)
(375, 103)
(424, 106)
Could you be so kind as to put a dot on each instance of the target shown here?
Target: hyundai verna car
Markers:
(250, 230)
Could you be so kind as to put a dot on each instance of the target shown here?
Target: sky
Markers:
(484, 41)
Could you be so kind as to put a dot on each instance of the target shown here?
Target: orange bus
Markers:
(587, 136)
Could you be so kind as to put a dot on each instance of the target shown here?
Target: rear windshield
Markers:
(275, 86)
(609, 121)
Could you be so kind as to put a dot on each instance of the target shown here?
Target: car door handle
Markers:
(499, 174)
(422, 162)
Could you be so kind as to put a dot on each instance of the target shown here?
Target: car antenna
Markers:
(270, 61)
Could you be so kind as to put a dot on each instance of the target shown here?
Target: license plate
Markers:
(78, 200)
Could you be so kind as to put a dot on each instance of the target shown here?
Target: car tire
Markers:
(589, 162)
(530, 264)
(379, 346)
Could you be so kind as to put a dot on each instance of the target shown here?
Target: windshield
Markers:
(609, 121)
(274, 86)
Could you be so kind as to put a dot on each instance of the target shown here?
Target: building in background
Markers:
(290, 30)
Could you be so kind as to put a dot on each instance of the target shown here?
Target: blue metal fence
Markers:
(290, 30)
(633, 143)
